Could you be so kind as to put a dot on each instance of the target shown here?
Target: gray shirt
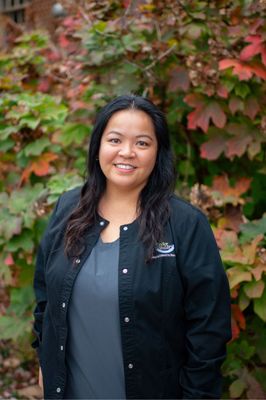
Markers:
(94, 352)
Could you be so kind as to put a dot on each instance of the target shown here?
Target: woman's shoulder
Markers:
(65, 204)
(69, 198)
(183, 210)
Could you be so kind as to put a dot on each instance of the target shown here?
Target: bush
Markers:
(204, 65)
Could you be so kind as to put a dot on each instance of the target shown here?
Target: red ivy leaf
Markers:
(212, 149)
(9, 260)
(194, 100)
(256, 25)
(205, 111)
(70, 22)
(243, 70)
(63, 41)
(251, 107)
(222, 91)
(244, 135)
(238, 316)
(53, 55)
(237, 146)
(44, 84)
(179, 80)
(236, 104)
(235, 329)
(126, 3)
(256, 47)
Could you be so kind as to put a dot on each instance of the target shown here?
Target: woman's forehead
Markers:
(134, 120)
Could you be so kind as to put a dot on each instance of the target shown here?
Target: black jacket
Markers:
(178, 306)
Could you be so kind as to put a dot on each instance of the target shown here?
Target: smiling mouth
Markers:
(126, 167)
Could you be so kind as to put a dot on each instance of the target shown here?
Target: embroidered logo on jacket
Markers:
(165, 249)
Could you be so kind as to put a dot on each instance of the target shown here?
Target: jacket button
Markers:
(63, 305)
(125, 228)
(77, 260)
(130, 366)
(58, 390)
(126, 319)
(125, 270)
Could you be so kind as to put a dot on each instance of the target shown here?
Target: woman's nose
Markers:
(127, 151)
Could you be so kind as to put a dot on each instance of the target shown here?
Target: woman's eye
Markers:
(142, 143)
(114, 140)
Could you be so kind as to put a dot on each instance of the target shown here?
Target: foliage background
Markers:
(204, 64)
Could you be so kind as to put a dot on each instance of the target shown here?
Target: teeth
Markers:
(124, 166)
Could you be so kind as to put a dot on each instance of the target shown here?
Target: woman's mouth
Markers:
(125, 167)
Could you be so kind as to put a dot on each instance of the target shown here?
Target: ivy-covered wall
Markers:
(204, 64)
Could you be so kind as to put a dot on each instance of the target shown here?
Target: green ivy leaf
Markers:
(23, 241)
(74, 133)
(29, 121)
(60, 183)
(23, 199)
(6, 145)
(20, 300)
(254, 289)
(37, 147)
(252, 229)
(260, 306)
(13, 327)
(237, 388)
(242, 90)
(5, 271)
(243, 300)
(245, 350)
(5, 132)
(10, 225)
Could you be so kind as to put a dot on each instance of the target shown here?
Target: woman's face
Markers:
(128, 150)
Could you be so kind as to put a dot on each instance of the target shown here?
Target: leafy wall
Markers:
(204, 64)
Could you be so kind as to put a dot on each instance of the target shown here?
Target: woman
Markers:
(132, 298)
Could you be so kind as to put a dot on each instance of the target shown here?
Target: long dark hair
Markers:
(153, 200)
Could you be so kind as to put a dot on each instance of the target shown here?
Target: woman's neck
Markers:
(119, 204)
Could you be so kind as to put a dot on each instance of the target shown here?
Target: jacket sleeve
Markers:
(207, 309)
(39, 281)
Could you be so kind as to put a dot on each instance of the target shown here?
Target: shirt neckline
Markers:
(109, 244)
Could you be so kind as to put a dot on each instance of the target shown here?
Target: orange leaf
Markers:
(258, 271)
(40, 166)
(238, 274)
(225, 238)
(221, 184)
(250, 250)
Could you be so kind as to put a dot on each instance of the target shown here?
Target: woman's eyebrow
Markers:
(142, 135)
(118, 133)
